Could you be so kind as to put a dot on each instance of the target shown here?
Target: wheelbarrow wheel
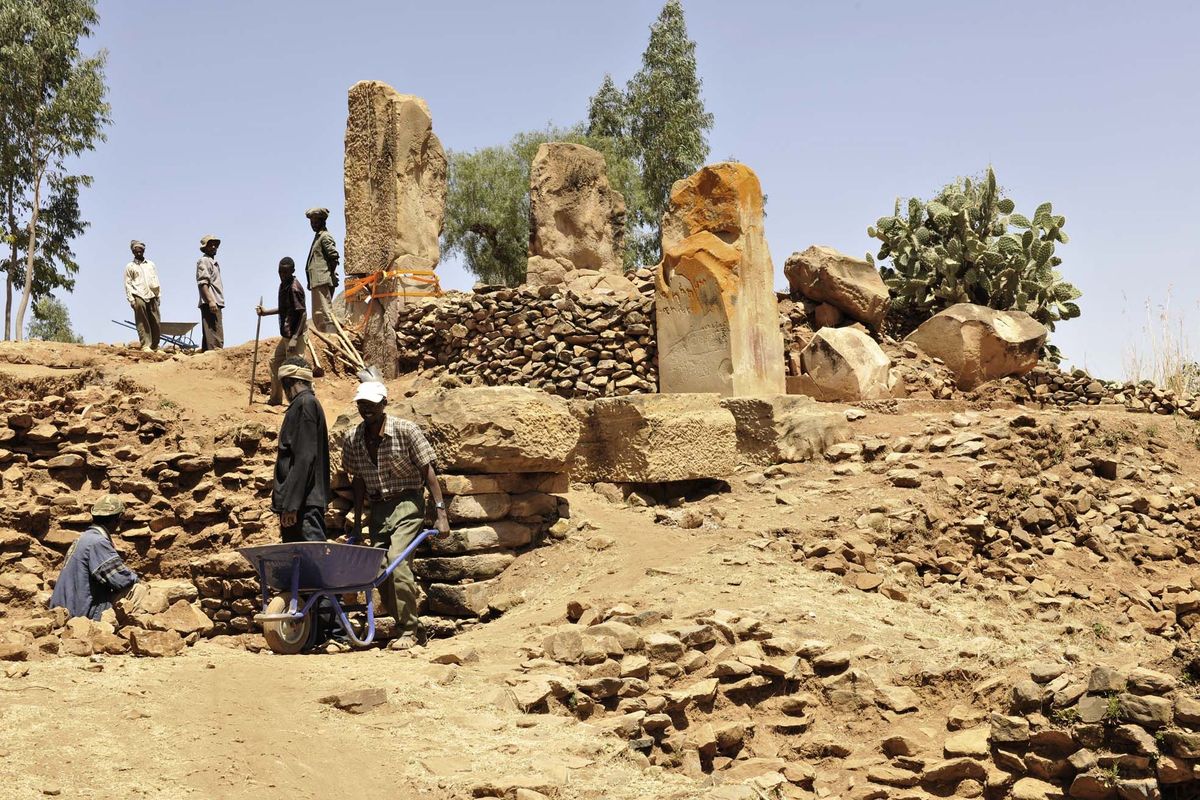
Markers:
(286, 637)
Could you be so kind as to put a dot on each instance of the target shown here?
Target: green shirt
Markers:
(322, 260)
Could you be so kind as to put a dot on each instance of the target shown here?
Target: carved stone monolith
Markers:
(718, 318)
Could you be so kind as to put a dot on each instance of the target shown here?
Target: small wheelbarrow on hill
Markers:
(176, 333)
(302, 574)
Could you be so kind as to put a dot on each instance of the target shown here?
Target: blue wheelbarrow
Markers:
(296, 577)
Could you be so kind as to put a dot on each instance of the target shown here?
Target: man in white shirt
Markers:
(141, 292)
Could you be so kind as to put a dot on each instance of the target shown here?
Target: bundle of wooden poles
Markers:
(339, 348)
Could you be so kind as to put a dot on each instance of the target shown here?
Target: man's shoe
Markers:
(147, 350)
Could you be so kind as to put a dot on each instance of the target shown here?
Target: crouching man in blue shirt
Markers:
(94, 576)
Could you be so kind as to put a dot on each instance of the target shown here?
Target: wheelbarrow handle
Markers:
(387, 573)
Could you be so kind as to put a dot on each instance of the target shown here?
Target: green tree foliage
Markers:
(54, 265)
(487, 202)
(608, 114)
(668, 125)
(51, 322)
(52, 108)
(968, 245)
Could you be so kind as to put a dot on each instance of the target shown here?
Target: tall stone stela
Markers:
(576, 219)
(395, 186)
(718, 319)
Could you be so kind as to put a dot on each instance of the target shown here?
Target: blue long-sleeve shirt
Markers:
(92, 575)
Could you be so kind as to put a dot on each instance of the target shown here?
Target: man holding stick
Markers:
(389, 459)
(292, 323)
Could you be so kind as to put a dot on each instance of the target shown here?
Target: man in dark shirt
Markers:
(94, 575)
(301, 490)
(293, 322)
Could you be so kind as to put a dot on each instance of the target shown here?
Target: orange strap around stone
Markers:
(426, 277)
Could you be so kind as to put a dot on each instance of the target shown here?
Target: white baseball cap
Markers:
(371, 391)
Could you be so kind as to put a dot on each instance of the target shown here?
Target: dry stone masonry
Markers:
(593, 344)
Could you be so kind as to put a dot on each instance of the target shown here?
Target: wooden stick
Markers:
(254, 365)
(312, 351)
(342, 333)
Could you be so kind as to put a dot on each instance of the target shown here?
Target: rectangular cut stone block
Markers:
(498, 535)
(473, 567)
(784, 428)
(656, 438)
(511, 483)
(715, 305)
(463, 600)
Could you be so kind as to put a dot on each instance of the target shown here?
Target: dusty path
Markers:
(225, 723)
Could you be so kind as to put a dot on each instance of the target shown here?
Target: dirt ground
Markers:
(222, 722)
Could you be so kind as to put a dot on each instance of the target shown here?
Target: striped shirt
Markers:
(404, 453)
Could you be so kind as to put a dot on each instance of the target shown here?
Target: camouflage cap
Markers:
(323, 213)
(204, 240)
(108, 506)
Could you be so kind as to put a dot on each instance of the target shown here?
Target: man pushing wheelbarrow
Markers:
(391, 464)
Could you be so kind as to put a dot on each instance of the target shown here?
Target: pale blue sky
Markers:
(228, 118)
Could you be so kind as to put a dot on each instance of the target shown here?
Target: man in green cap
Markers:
(322, 267)
(94, 576)
(141, 292)
(212, 295)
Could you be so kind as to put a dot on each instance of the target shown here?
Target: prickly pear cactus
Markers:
(968, 245)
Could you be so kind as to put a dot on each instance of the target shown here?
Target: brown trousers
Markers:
(145, 316)
(322, 308)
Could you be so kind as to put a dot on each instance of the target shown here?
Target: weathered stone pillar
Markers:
(718, 319)
(576, 219)
(395, 184)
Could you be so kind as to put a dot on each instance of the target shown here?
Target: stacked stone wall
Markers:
(574, 346)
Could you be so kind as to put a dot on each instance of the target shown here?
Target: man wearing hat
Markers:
(301, 489)
(141, 292)
(322, 269)
(212, 295)
(94, 576)
(293, 321)
(392, 463)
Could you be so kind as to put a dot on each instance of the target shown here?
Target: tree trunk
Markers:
(8, 275)
(8, 305)
(29, 257)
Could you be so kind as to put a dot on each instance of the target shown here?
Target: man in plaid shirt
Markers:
(391, 464)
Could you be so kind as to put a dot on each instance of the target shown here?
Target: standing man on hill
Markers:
(321, 269)
(301, 489)
(293, 321)
(212, 295)
(141, 292)
(392, 463)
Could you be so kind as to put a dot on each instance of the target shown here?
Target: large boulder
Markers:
(981, 344)
(843, 364)
(655, 438)
(850, 285)
(576, 219)
(717, 315)
(494, 428)
(395, 189)
(784, 428)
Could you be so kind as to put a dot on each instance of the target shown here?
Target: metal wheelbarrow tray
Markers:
(304, 573)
